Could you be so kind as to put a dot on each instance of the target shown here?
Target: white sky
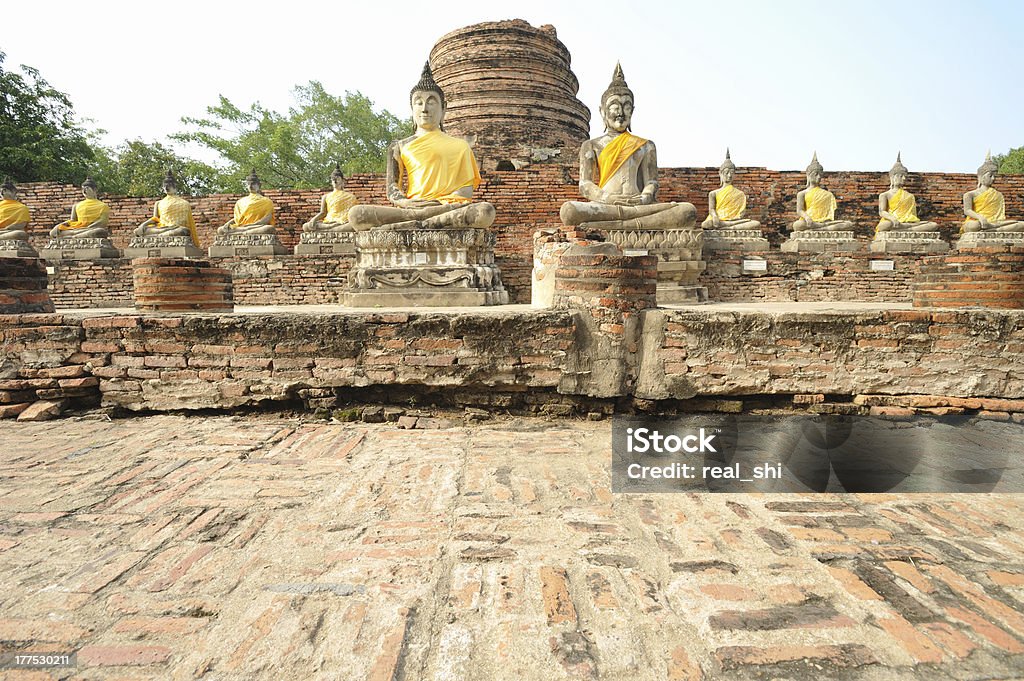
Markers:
(856, 81)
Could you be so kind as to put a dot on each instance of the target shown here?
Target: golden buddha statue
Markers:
(897, 207)
(727, 205)
(439, 171)
(172, 215)
(984, 207)
(89, 217)
(334, 207)
(14, 215)
(254, 214)
(815, 206)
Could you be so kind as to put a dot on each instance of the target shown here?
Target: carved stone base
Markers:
(162, 247)
(745, 240)
(79, 249)
(12, 248)
(820, 242)
(679, 251)
(682, 295)
(970, 240)
(232, 245)
(908, 242)
(326, 243)
(425, 268)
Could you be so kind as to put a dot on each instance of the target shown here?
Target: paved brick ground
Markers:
(238, 548)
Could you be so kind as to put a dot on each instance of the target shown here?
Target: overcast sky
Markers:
(856, 81)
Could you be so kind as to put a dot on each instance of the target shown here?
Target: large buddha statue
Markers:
(727, 205)
(439, 173)
(89, 217)
(619, 175)
(984, 207)
(254, 214)
(815, 206)
(897, 207)
(334, 207)
(172, 215)
(14, 215)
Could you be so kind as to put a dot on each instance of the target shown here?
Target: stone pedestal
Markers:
(180, 285)
(990, 276)
(679, 253)
(908, 242)
(23, 286)
(744, 240)
(326, 243)
(12, 248)
(162, 247)
(809, 241)
(425, 268)
(232, 245)
(548, 247)
(72, 248)
(972, 240)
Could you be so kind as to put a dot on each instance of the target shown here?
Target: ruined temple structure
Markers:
(509, 84)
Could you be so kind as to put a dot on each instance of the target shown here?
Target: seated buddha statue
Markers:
(619, 175)
(334, 207)
(254, 214)
(14, 216)
(89, 217)
(439, 173)
(726, 205)
(897, 207)
(815, 206)
(172, 215)
(984, 207)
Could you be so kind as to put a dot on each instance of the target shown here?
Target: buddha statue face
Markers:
(252, 186)
(337, 182)
(427, 110)
(727, 174)
(986, 177)
(170, 188)
(898, 179)
(89, 191)
(617, 112)
(814, 177)
(9, 193)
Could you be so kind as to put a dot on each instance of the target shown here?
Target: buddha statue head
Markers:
(9, 190)
(727, 171)
(89, 188)
(987, 171)
(814, 172)
(337, 178)
(427, 101)
(617, 103)
(898, 173)
(170, 183)
(252, 183)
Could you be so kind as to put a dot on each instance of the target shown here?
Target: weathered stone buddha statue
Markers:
(14, 219)
(897, 207)
(89, 217)
(334, 207)
(254, 214)
(619, 175)
(172, 215)
(816, 206)
(439, 171)
(984, 207)
(727, 204)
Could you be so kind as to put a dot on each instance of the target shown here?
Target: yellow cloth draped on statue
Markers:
(990, 205)
(820, 204)
(338, 203)
(438, 165)
(251, 209)
(730, 203)
(12, 212)
(615, 154)
(903, 206)
(87, 212)
(174, 211)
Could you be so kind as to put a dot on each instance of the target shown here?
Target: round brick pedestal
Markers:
(23, 286)
(981, 277)
(180, 285)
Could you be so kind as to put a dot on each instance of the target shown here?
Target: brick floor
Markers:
(264, 547)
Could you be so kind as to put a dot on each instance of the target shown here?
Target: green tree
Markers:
(299, 149)
(39, 137)
(1011, 162)
(137, 168)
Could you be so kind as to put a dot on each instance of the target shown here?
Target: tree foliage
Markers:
(1011, 162)
(39, 136)
(137, 168)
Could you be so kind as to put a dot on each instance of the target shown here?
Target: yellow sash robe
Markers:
(174, 211)
(903, 206)
(438, 165)
(989, 204)
(615, 154)
(251, 209)
(338, 203)
(87, 211)
(730, 203)
(820, 204)
(12, 212)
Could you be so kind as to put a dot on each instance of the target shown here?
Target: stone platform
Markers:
(79, 249)
(326, 243)
(814, 241)
(969, 240)
(12, 248)
(240, 245)
(744, 240)
(905, 241)
(163, 247)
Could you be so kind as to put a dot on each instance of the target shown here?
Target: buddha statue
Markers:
(439, 172)
(726, 205)
(14, 215)
(254, 214)
(89, 217)
(334, 207)
(172, 215)
(619, 175)
(815, 206)
(897, 207)
(984, 207)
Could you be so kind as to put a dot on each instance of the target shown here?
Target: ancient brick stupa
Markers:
(509, 84)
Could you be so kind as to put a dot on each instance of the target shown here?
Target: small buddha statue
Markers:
(984, 207)
(440, 173)
(897, 207)
(334, 207)
(619, 174)
(254, 214)
(89, 217)
(172, 215)
(727, 205)
(815, 206)
(14, 215)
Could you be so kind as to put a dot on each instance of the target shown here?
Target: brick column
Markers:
(981, 277)
(23, 286)
(181, 285)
